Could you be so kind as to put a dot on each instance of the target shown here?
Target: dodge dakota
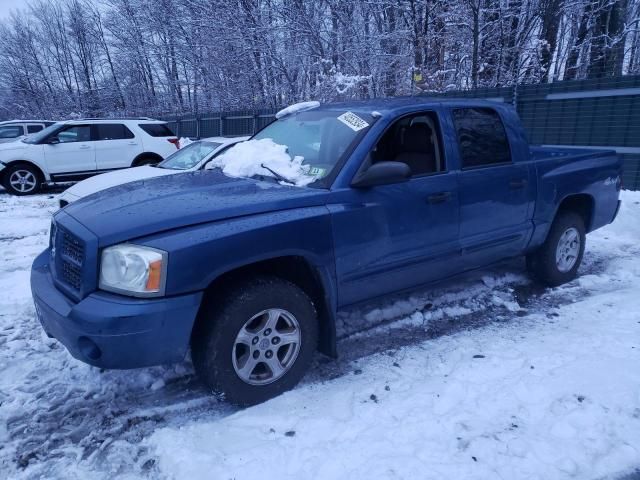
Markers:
(245, 265)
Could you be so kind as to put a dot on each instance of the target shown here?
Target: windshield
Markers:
(42, 134)
(189, 156)
(319, 138)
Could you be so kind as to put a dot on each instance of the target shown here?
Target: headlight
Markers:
(133, 270)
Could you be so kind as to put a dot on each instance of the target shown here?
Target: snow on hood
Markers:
(246, 159)
(111, 179)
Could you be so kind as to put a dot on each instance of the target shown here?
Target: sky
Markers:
(7, 5)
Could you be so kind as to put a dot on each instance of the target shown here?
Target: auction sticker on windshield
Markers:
(353, 121)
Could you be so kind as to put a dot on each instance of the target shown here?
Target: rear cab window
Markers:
(481, 137)
(157, 129)
(113, 131)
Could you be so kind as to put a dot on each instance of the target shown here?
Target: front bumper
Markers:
(114, 331)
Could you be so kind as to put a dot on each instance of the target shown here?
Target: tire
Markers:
(146, 160)
(558, 259)
(234, 326)
(22, 179)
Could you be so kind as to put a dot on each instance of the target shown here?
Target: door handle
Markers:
(133, 143)
(517, 183)
(439, 197)
(84, 147)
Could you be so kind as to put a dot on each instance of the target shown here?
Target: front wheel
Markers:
(22, 179)
(255, 342)
(558, 259)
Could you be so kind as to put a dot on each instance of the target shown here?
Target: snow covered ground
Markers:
(486, 376)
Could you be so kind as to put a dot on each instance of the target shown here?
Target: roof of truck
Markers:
(383, 105)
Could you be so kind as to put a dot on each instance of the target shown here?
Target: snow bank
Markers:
(246, 159)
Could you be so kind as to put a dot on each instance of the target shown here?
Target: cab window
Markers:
(481, 137)
(414, 140)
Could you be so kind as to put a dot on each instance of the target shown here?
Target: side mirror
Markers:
(382, 173)
(53, 141)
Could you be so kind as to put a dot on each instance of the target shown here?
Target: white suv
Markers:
(77, 149)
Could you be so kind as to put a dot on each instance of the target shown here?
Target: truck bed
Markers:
(575, 153)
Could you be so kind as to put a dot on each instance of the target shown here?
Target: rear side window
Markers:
(34, 128)
(157, 129)
(11, 131)
(113, 131)
(481, 136)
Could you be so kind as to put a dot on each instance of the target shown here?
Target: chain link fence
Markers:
(592, 113)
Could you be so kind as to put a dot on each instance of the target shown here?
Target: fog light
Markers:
(89, 349)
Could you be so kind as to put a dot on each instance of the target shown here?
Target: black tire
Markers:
(146, 160)
(222, 318)
(543, 263)
(30, 174)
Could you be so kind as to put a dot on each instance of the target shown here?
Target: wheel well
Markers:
(24, 162)
(296, 270)
(146, 156)
(582, 204)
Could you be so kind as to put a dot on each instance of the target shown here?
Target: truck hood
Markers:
(111, 179)
(146, 207)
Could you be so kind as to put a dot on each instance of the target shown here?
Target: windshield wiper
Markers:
(277, 175)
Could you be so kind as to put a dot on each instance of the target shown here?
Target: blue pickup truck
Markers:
(248, 272)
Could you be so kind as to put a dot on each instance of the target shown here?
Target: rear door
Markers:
(74, 153)
(158, 138)
(116, 146)
(495, 192)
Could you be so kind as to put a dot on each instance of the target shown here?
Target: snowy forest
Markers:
(60, 58)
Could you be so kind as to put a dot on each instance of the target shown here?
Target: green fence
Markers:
(594, 113)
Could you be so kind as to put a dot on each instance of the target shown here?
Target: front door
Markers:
(73, 154)
(392, 237)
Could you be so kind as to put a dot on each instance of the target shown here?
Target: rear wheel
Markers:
(558, 259)
(147, 160)
(22, 179)
(255, 342)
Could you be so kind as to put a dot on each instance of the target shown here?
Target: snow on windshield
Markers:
(246, 159)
